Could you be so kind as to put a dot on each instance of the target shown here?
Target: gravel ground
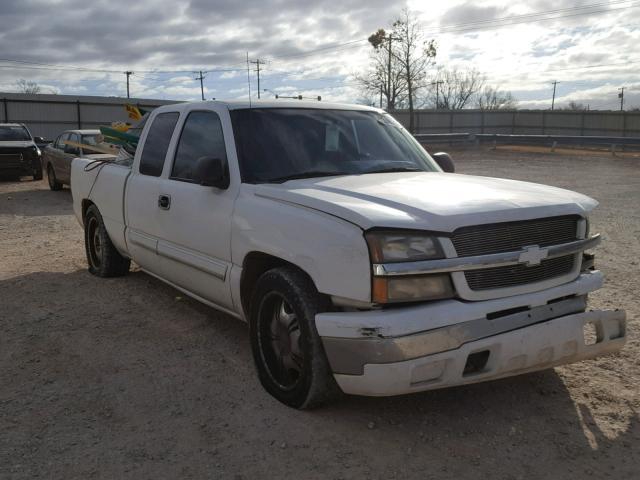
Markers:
(126, 378)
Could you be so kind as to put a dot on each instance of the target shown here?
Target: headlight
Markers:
(389, 247)
(407, 246)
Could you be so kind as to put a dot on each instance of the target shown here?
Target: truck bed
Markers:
(104, 186)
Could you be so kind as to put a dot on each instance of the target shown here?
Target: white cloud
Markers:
(523, 58)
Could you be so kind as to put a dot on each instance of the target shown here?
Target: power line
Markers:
(501, 25)
(469, 26)
(453, 28)
(538, 14)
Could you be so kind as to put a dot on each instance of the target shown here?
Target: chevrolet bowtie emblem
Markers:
(533, 255)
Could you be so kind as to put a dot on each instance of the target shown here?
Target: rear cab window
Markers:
(156, 144)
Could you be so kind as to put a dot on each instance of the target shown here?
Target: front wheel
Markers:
(287, 350)
(103, 258)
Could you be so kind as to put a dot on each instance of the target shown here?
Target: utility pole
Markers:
(437, 84)
(128, 74)
(201, 78)
(258, 62)
(553, 99)
(621, 97)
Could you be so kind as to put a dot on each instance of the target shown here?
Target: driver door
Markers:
(195, 226)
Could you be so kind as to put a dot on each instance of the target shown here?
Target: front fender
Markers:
(330, 250)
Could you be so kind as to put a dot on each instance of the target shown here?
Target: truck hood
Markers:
(423, 200)
(17, 144)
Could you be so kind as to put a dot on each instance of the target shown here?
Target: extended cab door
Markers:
(143, 215)
(195, 227)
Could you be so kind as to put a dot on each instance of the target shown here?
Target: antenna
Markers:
(249, 79)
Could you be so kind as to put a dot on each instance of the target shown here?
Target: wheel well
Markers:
(253, 266)
(85, 206)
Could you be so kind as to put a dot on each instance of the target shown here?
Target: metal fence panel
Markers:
(524, 122)
(49, 115)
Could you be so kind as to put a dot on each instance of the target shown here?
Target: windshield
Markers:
(13, 133)
(279, 144)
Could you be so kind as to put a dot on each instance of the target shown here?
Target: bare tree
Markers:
(385, 74)
(455, 88)
(575, 107)
(25, 86)
(492, 98)
(415, 55)
(399, 64)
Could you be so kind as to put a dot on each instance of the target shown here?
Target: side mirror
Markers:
(210, 172)
(444, 161)
(39, 140)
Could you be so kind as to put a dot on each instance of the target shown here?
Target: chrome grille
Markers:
(514, 275)
(511, 236)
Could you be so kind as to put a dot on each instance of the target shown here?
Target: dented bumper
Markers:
(552, 343)
(442, 344)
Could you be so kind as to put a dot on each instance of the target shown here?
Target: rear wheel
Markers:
(103, 258)
(54, 184)
(287, 350)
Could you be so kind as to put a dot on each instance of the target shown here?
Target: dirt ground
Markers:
(126, 378)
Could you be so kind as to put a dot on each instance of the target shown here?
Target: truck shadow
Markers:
(132, 353)
(28, 200)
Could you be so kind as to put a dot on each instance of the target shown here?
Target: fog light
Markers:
(412, 288)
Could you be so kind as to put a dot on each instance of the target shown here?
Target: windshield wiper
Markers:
(298, 176)
(394, 169)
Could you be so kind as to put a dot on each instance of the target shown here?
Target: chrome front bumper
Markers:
(427, 346)
(537, 347)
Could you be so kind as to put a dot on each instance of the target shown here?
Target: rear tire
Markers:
(54, 184)
(103, 258)
(287, 350)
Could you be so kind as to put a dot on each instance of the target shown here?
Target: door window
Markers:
(72, 149)
(156, 145)
(201, 137)
(60, 143)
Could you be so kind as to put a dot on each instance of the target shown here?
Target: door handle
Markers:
(164, 202)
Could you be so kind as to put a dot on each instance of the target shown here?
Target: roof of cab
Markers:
(244, 104)
(84, 132)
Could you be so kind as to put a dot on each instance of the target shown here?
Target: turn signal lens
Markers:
(412, 288)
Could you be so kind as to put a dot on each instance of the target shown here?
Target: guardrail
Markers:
(551, 141)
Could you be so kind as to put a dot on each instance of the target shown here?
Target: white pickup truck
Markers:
(358, 263)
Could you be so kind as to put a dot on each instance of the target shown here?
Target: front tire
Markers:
(54, 184)
(287, 350)
(103, 258)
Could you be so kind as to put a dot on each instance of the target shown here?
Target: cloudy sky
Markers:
(314, 47)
